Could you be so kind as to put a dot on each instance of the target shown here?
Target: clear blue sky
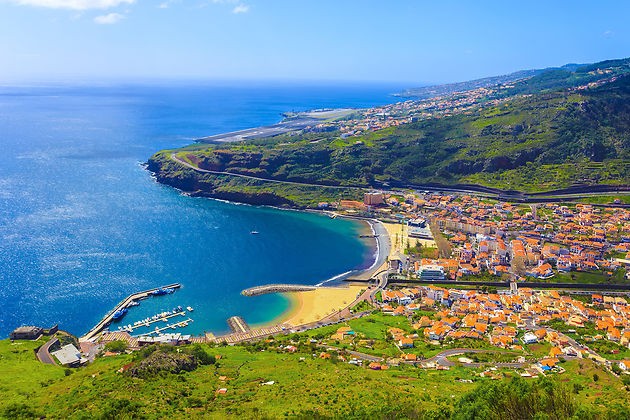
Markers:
(411, 41)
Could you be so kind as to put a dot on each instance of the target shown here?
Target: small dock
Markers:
(107, 319)
(238, 324)
(151, 321)
(182, 324)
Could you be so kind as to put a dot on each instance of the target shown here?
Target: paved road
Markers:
(43, 354)
(356, 354)
(522, 197)
(441, 359)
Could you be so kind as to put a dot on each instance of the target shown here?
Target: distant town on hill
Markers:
(532, 131)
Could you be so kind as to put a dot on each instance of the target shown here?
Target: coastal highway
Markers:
(207, 171)
(523, 197)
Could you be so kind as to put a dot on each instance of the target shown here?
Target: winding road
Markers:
(43, 354)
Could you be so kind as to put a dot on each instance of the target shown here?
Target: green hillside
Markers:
(264, 381)
(548, 135)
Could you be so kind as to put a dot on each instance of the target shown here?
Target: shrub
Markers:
(117, 346)
(19, 411)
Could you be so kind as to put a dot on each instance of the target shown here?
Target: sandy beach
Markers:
(313, 305)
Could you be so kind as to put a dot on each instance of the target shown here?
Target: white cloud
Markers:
(167, 3)
(241, 8)
(109, 19)
(73, 4)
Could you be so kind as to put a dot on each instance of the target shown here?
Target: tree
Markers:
(117, 346)
(517, 399)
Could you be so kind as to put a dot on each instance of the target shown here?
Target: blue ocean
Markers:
(83, 224)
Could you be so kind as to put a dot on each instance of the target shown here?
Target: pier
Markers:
(250, 335)
(183, 323)
(107, 319)
(238, 325)
(148, 323)
(276, 288)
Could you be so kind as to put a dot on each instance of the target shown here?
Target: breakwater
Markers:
(276, 288)
(238, 324)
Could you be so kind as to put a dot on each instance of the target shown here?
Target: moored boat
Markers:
(119, 314)
(162, 291)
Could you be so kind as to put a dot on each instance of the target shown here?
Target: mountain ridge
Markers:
(564, 127)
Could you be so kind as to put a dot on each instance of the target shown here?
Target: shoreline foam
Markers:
(312, 306)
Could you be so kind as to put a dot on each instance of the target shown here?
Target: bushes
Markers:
(156, 360)
(19, 411)
(202, 356)
(517, 399)
(121, 409)
(162, 362)
(117, 346)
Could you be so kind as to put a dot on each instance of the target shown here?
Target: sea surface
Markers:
(83, 224)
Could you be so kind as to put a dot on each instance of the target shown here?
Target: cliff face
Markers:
(167, 172)
(196, 184)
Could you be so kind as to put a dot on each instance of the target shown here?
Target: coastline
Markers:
(294, 308)
(312, 306)
(308, 307)
(315, 305)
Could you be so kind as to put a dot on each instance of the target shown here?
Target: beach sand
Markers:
(398, 238)
(313, 305)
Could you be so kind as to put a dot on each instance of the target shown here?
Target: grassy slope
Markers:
(313, 385)
(548, 140)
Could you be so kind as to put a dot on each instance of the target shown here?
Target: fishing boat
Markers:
(254, 232)
(119, 314)
(161, 291)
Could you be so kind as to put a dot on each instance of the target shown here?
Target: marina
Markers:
(176, 325)
(161, 317)
(122, 306)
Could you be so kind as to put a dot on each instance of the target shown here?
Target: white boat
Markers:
(189, 308)
(254, 232)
